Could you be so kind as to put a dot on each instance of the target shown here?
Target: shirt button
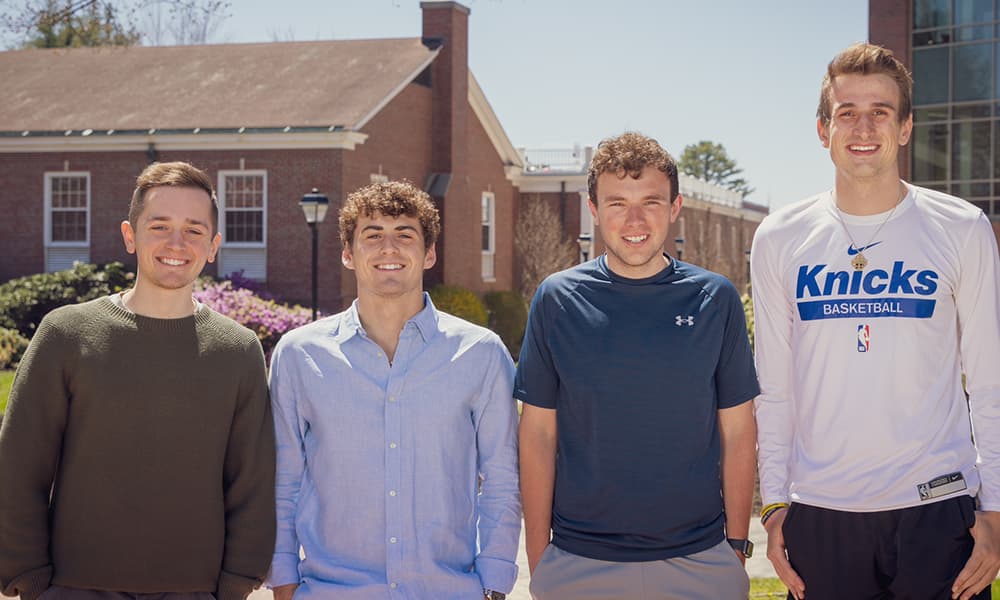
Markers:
(392, 444)
(393, 540)
(394, 585)
(392, 492)
(379, 354)
(392, 398)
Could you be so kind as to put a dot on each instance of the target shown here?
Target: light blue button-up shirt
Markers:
(379, 464)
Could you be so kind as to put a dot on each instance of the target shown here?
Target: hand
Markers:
(984, 562)
(285, 592)
(779, 558)
(741, 556)
(534, 555)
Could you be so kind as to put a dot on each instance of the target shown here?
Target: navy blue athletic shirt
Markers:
(636, 370)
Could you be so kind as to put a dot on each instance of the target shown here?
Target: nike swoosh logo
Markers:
(851, 251)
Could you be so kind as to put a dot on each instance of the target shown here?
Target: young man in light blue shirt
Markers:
(396, 430)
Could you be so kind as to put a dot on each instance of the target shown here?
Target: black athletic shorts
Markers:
(907, 554)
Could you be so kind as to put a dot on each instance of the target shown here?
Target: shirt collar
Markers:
(426, 321)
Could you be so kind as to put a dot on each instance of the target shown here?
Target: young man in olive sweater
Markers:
(137, 453)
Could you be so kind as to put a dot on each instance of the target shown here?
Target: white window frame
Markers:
(223, 210)
(49, 176)
(489, 254)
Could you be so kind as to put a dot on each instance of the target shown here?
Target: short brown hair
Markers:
(392, 199)
(171, 174)
(628, 154)
(866, 59)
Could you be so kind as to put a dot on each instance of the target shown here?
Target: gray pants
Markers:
(713, 574)
(57, 592)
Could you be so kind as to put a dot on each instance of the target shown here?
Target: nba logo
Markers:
(864, 337)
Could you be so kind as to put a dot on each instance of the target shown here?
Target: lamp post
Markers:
(585, 244)
(679, 244)
(314, 206)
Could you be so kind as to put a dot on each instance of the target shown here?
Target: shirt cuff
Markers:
(31, 584)
(234, 587)
(284, 570)
(496, 574)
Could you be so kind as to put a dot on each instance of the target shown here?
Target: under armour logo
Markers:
(688, 320)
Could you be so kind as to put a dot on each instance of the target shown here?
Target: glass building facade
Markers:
(956, 96)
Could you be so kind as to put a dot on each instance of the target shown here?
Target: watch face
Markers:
(497, 596)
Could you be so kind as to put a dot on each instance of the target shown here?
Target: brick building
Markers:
(714, 230)
(268, 122)
(953, 49)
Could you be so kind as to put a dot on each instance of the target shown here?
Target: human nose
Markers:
(633, 213)
(864, 125)
(175, 239)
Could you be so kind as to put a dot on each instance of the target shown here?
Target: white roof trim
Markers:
(395, 92)
(481, 106)
(346, 140)
(551, 182)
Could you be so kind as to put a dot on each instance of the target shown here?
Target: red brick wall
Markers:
(889, 24)
(400, 143)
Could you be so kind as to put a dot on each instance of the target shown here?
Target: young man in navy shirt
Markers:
(637, 438)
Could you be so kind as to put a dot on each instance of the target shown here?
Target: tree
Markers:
(69, 24)
(541, 244)
(74, 23)
(710, 161)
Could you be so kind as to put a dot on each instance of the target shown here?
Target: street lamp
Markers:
(585, 244)
(679, 244)
(314, 206)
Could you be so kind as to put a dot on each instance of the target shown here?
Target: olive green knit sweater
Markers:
(137, 455)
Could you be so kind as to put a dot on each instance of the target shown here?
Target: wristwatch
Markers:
(491, 595)
(744, 546)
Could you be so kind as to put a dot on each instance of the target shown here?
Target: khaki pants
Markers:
(713, 574)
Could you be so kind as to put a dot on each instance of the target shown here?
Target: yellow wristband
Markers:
(768, 510)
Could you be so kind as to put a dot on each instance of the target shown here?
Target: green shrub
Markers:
(25, 300)
(748, 312)
(462, 303)
(508, 317)
(12, 347)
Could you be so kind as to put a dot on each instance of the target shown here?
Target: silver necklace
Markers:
(859, 262)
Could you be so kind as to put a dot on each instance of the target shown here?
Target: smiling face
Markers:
(634, 217)
(388, 257)
(865, 132)
(172, 237)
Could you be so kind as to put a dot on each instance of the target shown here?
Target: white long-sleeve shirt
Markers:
(861, 404)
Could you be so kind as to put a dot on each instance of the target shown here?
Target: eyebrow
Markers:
(889, 105)
(156, 218)
(401, 227)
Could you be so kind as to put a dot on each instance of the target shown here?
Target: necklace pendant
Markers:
(859, 262)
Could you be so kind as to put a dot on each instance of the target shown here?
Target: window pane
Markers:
(69, 226)
(973, 70)
(969, 34)
(244, 191)
(996, 155)
(971, 150)
(69, 192)
(931, 38)
(930, 152)
(971, 111)
(971, 190)
(486, 238)
(245, 226)
(925, 115)
(973, 11)
(930, 76)
(930, 13)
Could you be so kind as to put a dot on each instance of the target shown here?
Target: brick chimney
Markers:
(446, 26)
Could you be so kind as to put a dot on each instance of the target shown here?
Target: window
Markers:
(972, 68)
(67, 220)
(489, 236)
(930, 75)
(243, 223)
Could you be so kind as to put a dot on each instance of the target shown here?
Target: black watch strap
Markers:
(744, 546)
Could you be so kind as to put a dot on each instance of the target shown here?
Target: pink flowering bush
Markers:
(267, 318)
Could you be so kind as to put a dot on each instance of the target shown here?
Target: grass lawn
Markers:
(6, 379)
(773, 588)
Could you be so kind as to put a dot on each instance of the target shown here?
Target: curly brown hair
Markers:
(628, 154)
(866, 59)
(392, 199)
(171, 174)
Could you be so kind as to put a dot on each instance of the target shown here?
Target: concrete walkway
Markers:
(757, 567)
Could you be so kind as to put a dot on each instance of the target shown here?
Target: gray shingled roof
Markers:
(308, 84)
